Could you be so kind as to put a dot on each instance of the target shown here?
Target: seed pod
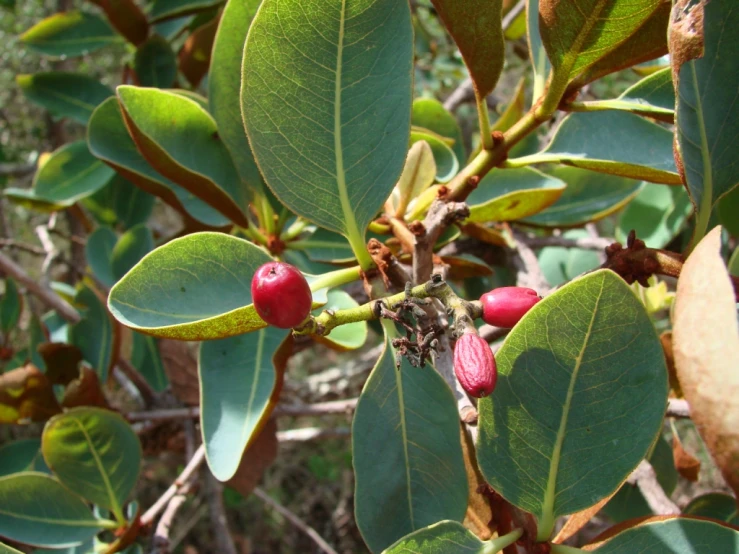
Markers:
(505, 306)
(281, 295)
(474, 365)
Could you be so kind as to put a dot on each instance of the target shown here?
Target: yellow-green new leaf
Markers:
(71, 33)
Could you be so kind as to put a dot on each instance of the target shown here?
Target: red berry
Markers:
(281, 295)
(474, 365)
(504, 307)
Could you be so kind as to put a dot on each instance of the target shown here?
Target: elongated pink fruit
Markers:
(474, 365)
(505, 306)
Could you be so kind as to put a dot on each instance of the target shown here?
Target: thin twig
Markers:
(678, 408)
(312, 433)
(31, 249)
(514, 12)
(45, 294)
(219, 522)
(441, 214)
(586, 243)
(160, 542)
(491, 333)
(191, 467)
(147, 393)
(528, 272)
(645, 478)
(295, 520)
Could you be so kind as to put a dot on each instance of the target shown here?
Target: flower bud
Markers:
(474, 365)
(281, 295)
(505, 306)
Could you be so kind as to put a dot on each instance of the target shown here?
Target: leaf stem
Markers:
(564, 549)
(336, 278)
(294, 230)
(494, 546)
(484, 118)
(109, 524)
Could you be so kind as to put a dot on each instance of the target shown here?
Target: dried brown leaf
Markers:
(26, 394)
(706, 345)
(479, 513)
(686, 464)
(85, 391)
(181, 366)
(62, 361)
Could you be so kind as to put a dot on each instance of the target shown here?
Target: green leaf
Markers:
(133, 245)
(224, 84)
(70, 174)
(431, 114)
(166, 9)
(406, 449)
(99, 251)
(37, 335)
(706, 118)
(476, 27)
(180, 140)
(714, 505)
(96, 453)
(146, 358)
(447, 164)
(646, 43)
(155, 63)
(445, 537)
(345, 337)
(615, 142)
(132, 205)
(36, 509)
(579, 33)
(4, 548)
(94, 335)
(539, 60)
(548, 442)
(109, 140)
(657, 214)
(589, 196)
(559, 264)
(70, 95)
(238, 380)
(196, 287)
(28, 199)
(325, 246)
(512, 194)
(11, 305)
(727, 208)
(18, 456)
(677, 535)
(170, 28)
(332, 143)
(69, 34)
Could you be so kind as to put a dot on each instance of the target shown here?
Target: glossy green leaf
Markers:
(511, 194)
(447, 164)
(170, 28)
(166, 9)
(18, 455)
(5, 549)
(146, 358)
(11, 305)
(133, 245)
(62, 519)
(476, 27)
(657, 214)
(406, 451)
(87, 547)
(94, 452)
(331, 144)
(224, 84)
(648, 42)
(196, 287)
(706, 118)
(431, 114)
(539, 60)
(325, 246)
(70, 95)
(180, 140)
(94, 335)
(71, 33)
(30, 200)
(155, 63)
(132, 205)
(678, 535)
(70, 174)
(345, 337)
(579, 33)
(734, 263)
(589, 196)
(727, 210)
(559, 264)
(445, 537)
(100, 204)
(237, 380)
(615, 142)
(548, 442)
(99, 251)
(714, 505)
(109, 140)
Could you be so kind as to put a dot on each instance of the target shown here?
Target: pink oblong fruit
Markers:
(474, 365)
(505, 306)
(281, 295)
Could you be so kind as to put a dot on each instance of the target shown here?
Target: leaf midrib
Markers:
(546, 520)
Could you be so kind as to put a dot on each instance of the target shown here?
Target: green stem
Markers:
(336, 278)
(356, 241)
(484, 118)
(564, 549)
(294, 230)
(379, 228)
(494, 546)
(109, 524)
(254, 234)
(524, 161)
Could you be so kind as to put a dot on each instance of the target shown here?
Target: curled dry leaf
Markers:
(706, 346)
(479, 514)
(666, 340)
(181, 366)
(686, 464)
(26, 394)
(85, 391)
